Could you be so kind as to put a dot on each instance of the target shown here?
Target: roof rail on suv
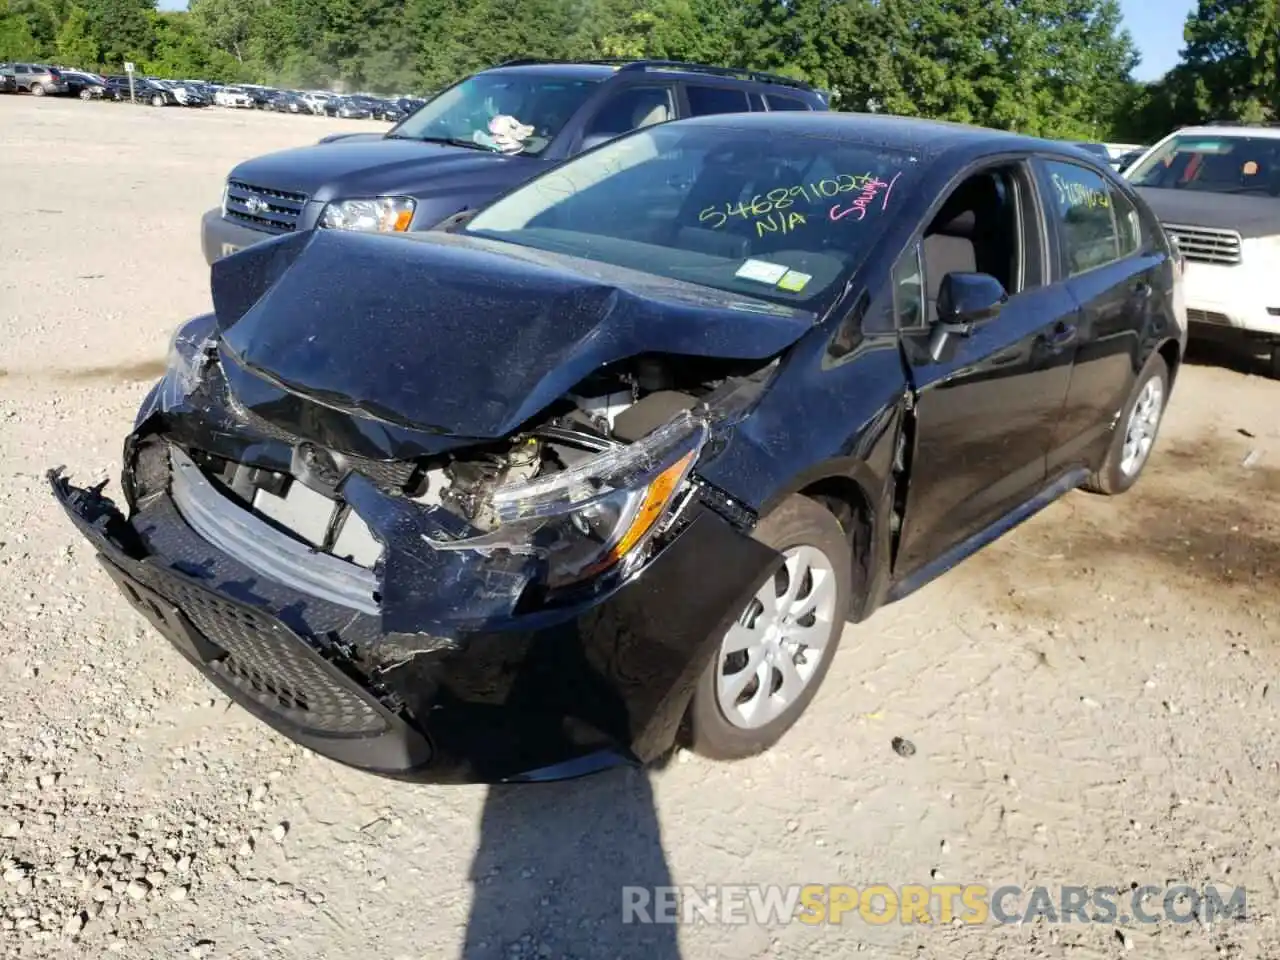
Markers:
(758, 76)
(1240, 123)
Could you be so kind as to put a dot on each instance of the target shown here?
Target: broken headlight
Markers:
(597, 515)
(190, 350)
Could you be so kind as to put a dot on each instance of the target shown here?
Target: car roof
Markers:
(560, 71)
(648, 69)
(926, 137)
(1230, 130)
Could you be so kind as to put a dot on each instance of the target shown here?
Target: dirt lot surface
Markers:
(1093, 700)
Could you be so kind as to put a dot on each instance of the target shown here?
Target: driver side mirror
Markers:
(965, 301)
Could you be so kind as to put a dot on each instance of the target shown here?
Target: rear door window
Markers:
(1082, 201)
(704, 101)
(779, 102)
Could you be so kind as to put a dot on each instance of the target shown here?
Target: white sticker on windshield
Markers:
(761, 271)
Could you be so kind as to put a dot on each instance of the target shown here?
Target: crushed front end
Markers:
(423, 605)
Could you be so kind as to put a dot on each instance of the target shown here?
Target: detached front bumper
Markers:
(542, 695)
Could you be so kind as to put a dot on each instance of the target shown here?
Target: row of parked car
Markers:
(358, 106)
(42, 80)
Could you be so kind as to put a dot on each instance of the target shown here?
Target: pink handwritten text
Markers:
(869, 193)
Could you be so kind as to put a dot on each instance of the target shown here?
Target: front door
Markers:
(988, 404)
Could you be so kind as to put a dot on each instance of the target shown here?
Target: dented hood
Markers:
(461, 336)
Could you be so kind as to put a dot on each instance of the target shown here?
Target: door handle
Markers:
(1142, 290)
(1061, 336)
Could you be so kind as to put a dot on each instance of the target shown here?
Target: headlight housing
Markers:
(190, 350)
(375, 215)
(596, 516)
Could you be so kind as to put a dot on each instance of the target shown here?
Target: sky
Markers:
(1156, 26)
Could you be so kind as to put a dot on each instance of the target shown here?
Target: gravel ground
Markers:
(1092, 700)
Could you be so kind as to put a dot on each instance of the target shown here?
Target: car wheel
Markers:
(157, 101)
(38, 90)
(86, 95)
(1135, 432)
(1273, 366)
(769, 664)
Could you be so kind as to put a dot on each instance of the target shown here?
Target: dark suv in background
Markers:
(475, 140)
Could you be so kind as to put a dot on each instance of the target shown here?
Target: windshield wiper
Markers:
(451, 141)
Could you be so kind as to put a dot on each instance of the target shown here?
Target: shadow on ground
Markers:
(550, 870)
(1251, 359)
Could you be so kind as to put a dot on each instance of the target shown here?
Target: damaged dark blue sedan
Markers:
(610, 466)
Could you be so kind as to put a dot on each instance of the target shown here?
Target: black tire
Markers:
(798, 521)
(1110, 480)
(157, 101)
(1273, 365)
(86, 95)
(38, 90)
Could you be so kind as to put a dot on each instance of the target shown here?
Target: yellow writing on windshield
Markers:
(775, 222)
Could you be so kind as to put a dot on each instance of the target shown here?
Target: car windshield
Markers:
(782, 219)
(505, 112)
(1210, 164)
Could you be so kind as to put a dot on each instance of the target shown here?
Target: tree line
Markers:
(1056, 68)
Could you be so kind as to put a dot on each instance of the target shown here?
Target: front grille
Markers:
(1206, 244)
(274, 211)
(1208, 316)
(273, 666)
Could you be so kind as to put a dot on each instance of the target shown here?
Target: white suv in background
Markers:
(1216, 190)
(233, 97)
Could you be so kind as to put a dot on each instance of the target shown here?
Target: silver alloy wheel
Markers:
(767, 659)
(1140, 433)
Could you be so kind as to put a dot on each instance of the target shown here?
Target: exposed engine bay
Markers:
(611, 409)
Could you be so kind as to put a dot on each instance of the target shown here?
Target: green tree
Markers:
(180, 51)
(1232, 58)
(123, 29)
(16, 40)
(226, 25)
(75, 42)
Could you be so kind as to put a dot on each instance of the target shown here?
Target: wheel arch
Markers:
(852, 492)
(1171, 352)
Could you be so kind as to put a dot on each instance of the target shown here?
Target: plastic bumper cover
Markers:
(539, 697)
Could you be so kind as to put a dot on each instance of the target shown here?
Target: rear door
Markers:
(1112, 271)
